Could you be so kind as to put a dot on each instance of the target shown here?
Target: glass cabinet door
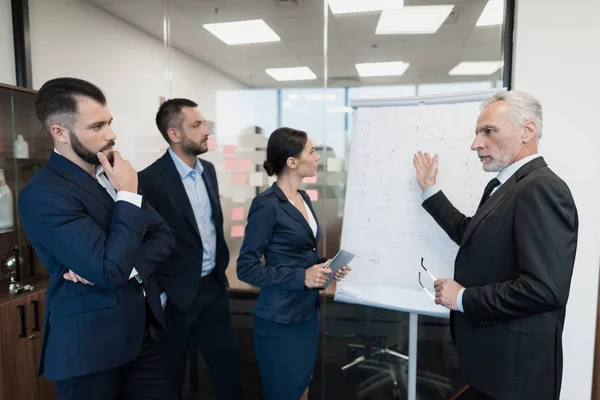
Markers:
(24, 148)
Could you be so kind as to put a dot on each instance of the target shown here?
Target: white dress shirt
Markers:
(312, 222)
(502, 176)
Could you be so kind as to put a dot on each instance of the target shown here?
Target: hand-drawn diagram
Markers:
(384, 220)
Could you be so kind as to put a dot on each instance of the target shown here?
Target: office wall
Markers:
(558, 63)
(76, 38)
(7, 55)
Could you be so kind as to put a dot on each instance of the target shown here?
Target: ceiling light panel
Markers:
(392, 68)
(476, 68)
(359, 6)
(243, 32)
(493, 14)
(291, 74)
(412, 20)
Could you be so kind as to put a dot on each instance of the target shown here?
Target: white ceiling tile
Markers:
(351, 37)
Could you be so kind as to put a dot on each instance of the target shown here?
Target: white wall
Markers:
(7, 55)
(556, 59)
(75, 38)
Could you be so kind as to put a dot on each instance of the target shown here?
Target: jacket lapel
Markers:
(215, 204)
(175, 185)
(499, 195)
(291, 210)
(487, 207)
(212, 196)
(74, 174)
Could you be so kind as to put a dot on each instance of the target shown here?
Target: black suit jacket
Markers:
(515, 259)
(74, 224)
(181, 274)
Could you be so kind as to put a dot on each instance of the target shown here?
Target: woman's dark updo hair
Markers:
(283, 144)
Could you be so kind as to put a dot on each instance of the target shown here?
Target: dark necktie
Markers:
(489, 188)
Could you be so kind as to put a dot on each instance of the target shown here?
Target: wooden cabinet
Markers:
(21, 332)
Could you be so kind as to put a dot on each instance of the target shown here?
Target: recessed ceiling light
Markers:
(358, 6)
(476, 68)
(493, 13)
(286, 104)
(293, 96)
(392, 68)
(243, 32)
(291, 74)
(412, 20)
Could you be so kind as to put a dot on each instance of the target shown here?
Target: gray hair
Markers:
(524, 107)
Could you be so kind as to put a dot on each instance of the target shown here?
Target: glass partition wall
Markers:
(256, 65)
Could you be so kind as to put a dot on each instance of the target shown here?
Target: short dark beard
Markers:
(86, 154)
(191, 148)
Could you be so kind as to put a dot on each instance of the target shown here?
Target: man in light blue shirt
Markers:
(183, 189)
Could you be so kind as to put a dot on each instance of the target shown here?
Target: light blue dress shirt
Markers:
(502, 177)
(198, 196)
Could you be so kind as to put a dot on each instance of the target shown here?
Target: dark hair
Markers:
(283, 144)
(56, 101)
(169, 115)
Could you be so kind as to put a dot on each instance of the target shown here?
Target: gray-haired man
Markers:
(515, 260)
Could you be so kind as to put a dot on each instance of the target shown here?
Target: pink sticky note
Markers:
(237, 231)
(314, 142)
(310, 179)
(212, 143)
(229, 149)
(230, 164)
(239, 179)
(237, 214)
(245, 164)
(313, 194)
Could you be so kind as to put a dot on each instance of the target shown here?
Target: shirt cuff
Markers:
(163, 298)
(430, 192)
(129, 197)
(459, 300)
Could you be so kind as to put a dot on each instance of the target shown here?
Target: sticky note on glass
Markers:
(314, 142)
(257, 179)
(313, 194)
(212, 143)
(229, 149)
(239, 179)
(237, 231)
(334, 164)
(237, 214)
(245, 164)
(230, 164)
(310, 179)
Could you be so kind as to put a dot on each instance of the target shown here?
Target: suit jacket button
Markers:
(314, 249)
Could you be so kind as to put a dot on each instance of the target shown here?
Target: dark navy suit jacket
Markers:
(74, 224)
(163, 188)
(280, 233)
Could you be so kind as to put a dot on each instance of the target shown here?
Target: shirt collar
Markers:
(182, 168)
(509, 171)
